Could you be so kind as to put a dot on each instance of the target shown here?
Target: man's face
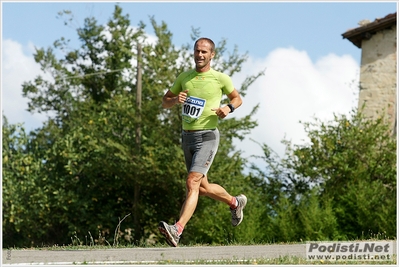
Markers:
(203, 55)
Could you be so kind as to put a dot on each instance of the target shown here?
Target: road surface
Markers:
(149, 255)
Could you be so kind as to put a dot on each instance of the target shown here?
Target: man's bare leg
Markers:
(194, 180)
(214, 191)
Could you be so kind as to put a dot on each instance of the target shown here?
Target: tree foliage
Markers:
(99, 159)
(341, 185)
(88, 166)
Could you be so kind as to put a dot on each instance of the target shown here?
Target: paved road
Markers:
(148, 255)
(151, 255)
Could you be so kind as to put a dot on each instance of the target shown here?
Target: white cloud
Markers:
(295, 89)
(18, 66)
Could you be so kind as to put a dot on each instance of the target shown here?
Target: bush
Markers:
(341, 185)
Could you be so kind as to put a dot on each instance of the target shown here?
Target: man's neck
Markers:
(203, 69)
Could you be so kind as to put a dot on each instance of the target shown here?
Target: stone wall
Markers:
(378, 76)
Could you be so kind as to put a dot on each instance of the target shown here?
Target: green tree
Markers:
(24, 203)
(90, 170)
(354, 161)
(341, 185)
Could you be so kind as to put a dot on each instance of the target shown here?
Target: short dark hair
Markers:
(208, 40)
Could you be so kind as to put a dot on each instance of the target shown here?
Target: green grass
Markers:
(286, 260)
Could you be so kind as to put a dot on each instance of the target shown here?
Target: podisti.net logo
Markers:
(338, 251)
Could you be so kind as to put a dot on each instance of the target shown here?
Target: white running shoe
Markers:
(170, 233)
(237, 214)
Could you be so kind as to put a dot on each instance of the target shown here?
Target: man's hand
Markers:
(182, 97)
(170, 99)
(222, 112)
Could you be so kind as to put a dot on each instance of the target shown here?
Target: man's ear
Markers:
(213, 54)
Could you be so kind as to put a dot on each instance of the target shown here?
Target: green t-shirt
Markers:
(205, 91)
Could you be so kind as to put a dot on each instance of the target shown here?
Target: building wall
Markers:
(378, 76)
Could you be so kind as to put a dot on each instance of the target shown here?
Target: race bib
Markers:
(192, 109)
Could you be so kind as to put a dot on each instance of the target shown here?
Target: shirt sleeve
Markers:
(177, 86)
(227, 83)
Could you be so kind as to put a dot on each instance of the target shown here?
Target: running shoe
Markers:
(170, 233)
(237, 214)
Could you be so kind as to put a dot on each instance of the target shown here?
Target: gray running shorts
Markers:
(200, 148)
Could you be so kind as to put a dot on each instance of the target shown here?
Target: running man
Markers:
(200, 91)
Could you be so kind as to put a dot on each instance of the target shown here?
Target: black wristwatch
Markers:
(231, 107)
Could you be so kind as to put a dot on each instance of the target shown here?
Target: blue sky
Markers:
(311, 70)
(256, 27)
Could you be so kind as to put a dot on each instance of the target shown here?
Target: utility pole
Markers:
(136, 200)
(138, 98)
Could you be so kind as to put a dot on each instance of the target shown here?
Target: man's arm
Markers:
(170, 99)
(235, 100)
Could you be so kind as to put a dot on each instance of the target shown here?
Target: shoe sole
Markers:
(168, 236)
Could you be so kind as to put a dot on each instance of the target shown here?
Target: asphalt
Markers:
(149, 255)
